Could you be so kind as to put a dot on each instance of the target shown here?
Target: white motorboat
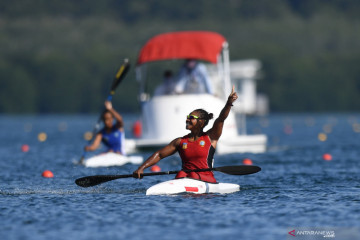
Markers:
(163, 115)
(188, 185)
(111, 159)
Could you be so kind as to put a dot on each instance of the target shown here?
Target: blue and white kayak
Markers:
(188, 185)
(112, 159)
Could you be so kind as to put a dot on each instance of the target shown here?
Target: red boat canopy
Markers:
(199, 45)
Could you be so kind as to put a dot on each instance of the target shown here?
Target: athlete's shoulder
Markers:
(102, 131)
(185, 136)
(175, 143)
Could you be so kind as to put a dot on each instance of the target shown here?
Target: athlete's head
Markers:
(108, 119)
(198, 118)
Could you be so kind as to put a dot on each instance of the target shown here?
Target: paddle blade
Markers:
(120, 74)
(91, 181)
(238, 170)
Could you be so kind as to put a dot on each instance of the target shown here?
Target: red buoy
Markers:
(47, 174)
(247, 161)
(137, 129)
(25, 148)
(327, 157)
(155, 168)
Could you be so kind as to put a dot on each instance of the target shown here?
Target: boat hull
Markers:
(112, 159)
(193, 186)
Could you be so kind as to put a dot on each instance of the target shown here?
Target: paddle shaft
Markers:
(120, 74)
(232, 170)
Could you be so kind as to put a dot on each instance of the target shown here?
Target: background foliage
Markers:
(60, 56)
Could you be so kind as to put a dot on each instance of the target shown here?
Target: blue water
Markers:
(296, 187)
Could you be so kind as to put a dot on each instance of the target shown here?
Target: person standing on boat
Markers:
(112, 135)
(167, 87)
(193, 78)
(198, 147)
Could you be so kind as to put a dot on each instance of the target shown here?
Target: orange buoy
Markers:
(25, 148)
(327, 157)
(322, 137)
(42, 137)
(88, 136)
(247, 161)
(47, 174)
(155, 168)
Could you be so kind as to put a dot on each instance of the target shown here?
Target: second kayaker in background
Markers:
(113, 134)
(198, 147)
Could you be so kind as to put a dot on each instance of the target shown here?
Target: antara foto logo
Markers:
(292, 233)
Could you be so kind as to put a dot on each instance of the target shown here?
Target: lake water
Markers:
(296, 190)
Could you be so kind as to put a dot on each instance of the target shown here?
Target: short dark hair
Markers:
(204, 115)
(104, 112)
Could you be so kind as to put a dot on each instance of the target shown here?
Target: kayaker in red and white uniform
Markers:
(198, 147)
(112, 135)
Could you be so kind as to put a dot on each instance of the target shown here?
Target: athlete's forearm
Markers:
(117, 116)
(225, 111)
(152, 160)
(95, 144)
(229, 103)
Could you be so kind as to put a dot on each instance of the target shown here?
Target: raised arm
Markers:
(166, 151)
(215, 132)
(117, 116)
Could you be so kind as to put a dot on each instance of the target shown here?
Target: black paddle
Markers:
(120, 75)
(91, 181)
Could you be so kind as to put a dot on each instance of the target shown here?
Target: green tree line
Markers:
(61, 56)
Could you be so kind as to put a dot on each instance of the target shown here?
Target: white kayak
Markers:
(112, 159)
(188, 185)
